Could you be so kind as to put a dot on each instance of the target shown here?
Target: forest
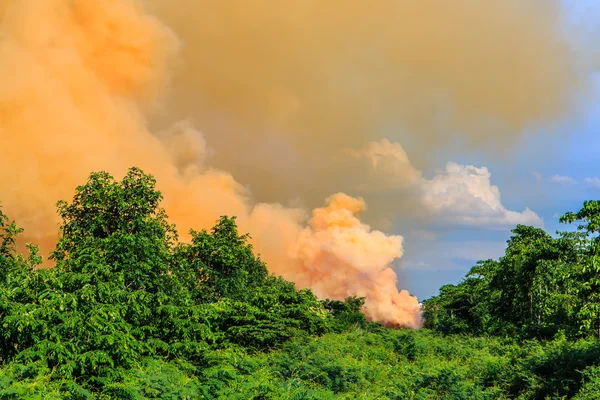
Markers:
(128, 311)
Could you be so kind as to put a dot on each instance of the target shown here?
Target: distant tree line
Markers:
(543, 286)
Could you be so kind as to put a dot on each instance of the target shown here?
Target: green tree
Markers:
(347, 313)
(588, 275)
(531, 291)
(221, 263)
(121, 223)
(111, 298)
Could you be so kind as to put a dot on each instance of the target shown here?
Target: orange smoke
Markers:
(338, 256)
(78, 77)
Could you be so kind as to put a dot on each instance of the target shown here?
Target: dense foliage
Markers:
(131, 312)
(542, 287)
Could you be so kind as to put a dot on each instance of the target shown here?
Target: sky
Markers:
(552, 171)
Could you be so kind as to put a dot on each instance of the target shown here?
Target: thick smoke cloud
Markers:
(280, 90)
(79, 76)
(281, 87)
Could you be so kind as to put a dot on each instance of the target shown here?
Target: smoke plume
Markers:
(294, 82)
(78, 76)
(280, 89)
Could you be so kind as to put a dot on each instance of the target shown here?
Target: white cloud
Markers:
(464, 194)
(562, 180)
(460, 194)
(593, 182)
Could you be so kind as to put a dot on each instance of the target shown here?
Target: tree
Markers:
(111, 298)
(466, 307)
(588, 219)
(346, 313)
(11, 262)
(221, 263)
(120, 223)
(531, 291)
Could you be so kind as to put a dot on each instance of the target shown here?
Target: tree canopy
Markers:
(129, 311)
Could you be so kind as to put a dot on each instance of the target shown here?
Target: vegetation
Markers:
(543, 287)
(130, 312)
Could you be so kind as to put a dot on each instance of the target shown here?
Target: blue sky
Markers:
(546, 171)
